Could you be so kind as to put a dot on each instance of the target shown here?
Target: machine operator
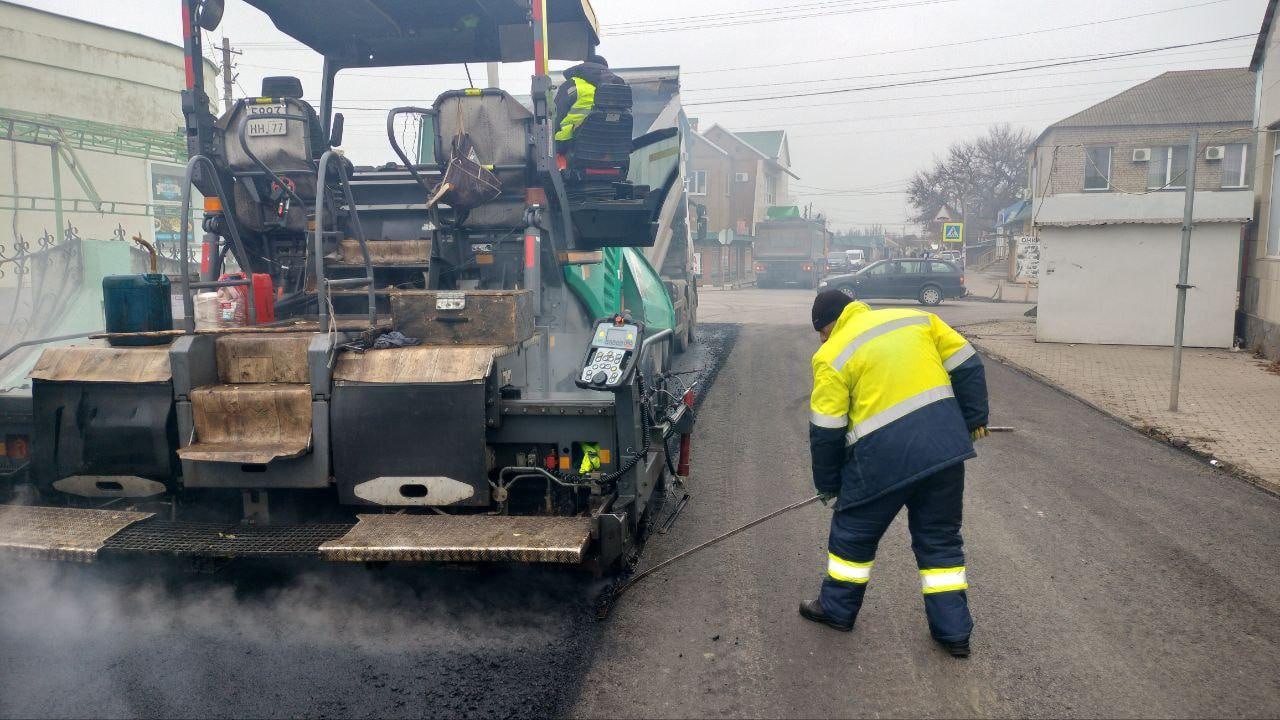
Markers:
(898, 399)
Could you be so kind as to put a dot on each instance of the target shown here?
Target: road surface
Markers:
(1111, 576)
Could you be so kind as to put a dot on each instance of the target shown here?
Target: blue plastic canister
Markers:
(137, 303)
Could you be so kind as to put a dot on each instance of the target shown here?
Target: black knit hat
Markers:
(828, 306)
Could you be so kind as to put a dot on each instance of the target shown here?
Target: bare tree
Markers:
(977, 178)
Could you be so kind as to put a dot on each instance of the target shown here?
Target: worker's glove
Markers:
(827, 498)
(980, 433)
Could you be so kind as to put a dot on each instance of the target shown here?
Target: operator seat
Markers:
(289, 148)
(499, 127)
(601, 147)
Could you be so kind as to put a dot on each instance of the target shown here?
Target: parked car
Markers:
(928, 281)
(855, 259)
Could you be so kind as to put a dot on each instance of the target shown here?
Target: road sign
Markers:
(953, 232)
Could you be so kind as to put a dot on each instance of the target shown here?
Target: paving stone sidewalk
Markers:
(1230, 401)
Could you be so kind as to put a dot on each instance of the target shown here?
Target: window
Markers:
(1097, 168)
(697, 183)
(911, 267)
(1273, 227)
(941, 268)
(882, 268)
(770, 190)
(1235, 165)
(1168, 168)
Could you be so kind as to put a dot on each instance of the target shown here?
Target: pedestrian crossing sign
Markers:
(953, 232)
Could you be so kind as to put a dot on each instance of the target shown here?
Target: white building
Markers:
(1108, 193)
(110, 98)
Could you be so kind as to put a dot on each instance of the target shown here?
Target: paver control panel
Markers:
(610, 359)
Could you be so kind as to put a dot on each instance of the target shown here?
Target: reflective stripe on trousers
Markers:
(940, 580)
(847, 570)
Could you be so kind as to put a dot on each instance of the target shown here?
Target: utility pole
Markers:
(1180, 316)
(227, 78)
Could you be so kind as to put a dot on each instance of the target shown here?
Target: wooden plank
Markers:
(385, 252)
(421, 364)
(306, 326)
(98, 362)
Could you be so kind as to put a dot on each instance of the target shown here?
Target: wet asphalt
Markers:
(132, 639)
(1111, 576)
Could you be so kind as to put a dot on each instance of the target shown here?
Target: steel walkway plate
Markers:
(462, 538)
(50, 533)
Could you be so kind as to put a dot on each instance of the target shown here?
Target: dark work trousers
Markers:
(934, 508)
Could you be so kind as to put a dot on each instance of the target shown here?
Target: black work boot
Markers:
(812, 610)
(957, 649)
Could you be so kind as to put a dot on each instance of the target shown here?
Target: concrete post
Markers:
(1180, 316)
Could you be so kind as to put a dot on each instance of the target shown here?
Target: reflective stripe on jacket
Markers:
(584, 102)
(895, 395)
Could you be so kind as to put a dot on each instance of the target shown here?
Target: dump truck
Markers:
(790, 251)
(465, 359)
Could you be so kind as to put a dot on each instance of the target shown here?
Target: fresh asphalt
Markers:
(1111, 576)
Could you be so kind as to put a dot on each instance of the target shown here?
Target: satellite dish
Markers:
(209, 16)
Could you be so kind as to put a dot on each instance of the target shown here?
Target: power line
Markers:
(1097, 55)
(626, 25)
(989, 73)
(680, 26)
(960, 43)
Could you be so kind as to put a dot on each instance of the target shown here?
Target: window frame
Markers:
(1089, 163)
(694, 184)
(1168, 168)
(1243, 167)
(1272, 249)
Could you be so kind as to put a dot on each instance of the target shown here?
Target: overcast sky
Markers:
(853, 151)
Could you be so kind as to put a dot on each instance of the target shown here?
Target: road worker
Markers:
(576, 97)
(898, 399)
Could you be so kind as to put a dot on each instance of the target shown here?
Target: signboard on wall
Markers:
(165, 184)
(697, 264)
(1027, 259)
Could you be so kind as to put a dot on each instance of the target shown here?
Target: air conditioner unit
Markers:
(1142, 155)
(1215, 152)
(741, 177)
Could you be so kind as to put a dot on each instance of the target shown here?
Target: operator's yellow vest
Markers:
(577, 114)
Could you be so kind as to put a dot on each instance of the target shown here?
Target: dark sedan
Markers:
(929, 281)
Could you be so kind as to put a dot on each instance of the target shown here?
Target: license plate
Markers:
(266, 126)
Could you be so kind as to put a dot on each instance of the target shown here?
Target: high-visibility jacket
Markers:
(584, 101)
(896, 394)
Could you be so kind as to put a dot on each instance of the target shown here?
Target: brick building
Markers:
(1260, 296)
(734, 178)
(1108, 188)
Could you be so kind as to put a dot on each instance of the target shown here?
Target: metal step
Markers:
(250, 424)
(462, 538)
(52, 533)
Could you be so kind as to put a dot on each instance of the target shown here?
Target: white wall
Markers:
(51, 64)
(1114, 284)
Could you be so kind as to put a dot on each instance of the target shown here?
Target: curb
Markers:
(1268, 486)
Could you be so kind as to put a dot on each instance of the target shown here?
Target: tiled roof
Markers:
(1182, 97)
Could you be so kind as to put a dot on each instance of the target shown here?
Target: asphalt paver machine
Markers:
(530, 422)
